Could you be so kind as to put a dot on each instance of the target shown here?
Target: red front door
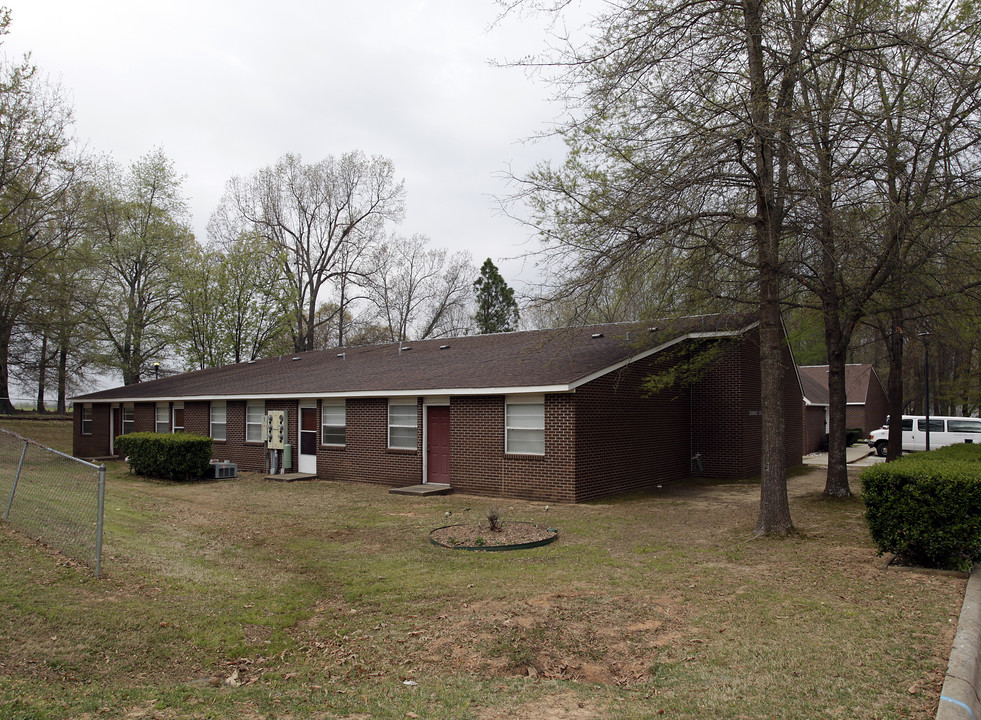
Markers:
(438, 451)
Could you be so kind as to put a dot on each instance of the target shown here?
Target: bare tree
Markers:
(321, 219)
(419, 292)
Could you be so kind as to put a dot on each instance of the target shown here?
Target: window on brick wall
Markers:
(255, 416)
(86, 419)
(178, 418)
(162, 423)
(524, 425)
(402, 424)
(129, 419)
(218, 420)
(334, 421)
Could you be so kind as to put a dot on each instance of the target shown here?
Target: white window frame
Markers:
(333, 416)
(257, 423)
(402, 416)
(128, 414)
(219, 419)
(524, 425)
(174, 427)
(161, 418)
(86, 419)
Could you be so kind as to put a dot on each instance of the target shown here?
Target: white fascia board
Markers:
(660, 348)
(420, 392)
(793, 359)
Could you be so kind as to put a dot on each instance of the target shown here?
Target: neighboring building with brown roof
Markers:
(866, 404)
(555, 415)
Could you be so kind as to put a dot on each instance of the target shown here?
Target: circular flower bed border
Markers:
(553, 535)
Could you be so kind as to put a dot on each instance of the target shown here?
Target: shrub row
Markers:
(926, 507)
(175, 456)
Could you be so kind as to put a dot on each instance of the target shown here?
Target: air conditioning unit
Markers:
(220, 470)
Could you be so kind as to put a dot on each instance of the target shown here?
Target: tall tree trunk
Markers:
(62, 379)
(42, 371)
(836, 484)
(6, 406)
(774, 516)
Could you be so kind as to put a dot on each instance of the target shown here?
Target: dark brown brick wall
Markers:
(479, 464)
(793, 411)
(726, 413)
(250, 456)
(814, 434)
(197, 418)
(628, 441)
(876, 408)
(144, 417)
(365, 456)
(95, 444)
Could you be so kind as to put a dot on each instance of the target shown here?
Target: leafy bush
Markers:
(172, 456)
(926, 508)
(853, 435)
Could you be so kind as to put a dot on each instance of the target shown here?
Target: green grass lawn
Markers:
(256, 599)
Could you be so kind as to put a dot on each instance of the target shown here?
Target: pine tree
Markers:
(497, 310)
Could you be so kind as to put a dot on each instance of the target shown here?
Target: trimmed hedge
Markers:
(926, 507)
(853, 435)
(177, 456)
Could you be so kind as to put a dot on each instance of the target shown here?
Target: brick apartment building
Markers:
(866, 404)
(552, 415)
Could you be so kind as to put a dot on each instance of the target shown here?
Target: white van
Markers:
(943, 431)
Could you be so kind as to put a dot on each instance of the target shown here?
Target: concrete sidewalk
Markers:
(859, 455)
(959, 697)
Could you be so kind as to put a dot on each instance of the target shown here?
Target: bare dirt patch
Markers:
(563, 706)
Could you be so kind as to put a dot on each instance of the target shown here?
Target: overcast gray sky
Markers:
(228, 87)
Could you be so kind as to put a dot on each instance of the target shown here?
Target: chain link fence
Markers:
(52, 497)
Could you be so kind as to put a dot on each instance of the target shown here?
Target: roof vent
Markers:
(295, 359)
(653, 329)
(596, 336)
(342, 355)
(444, 347)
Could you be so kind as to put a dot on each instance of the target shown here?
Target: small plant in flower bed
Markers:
(177, 456)
(926, 508)
(495, 520)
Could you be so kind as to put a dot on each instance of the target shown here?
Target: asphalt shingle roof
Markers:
(475, 363)
(814, 382)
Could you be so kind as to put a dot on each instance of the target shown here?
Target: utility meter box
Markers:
(275, 429)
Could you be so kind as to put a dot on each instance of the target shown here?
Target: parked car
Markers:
(943, 431)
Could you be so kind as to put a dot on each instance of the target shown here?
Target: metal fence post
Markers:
(98, 524)
(20, 466)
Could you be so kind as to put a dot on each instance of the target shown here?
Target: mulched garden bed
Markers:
(480, 536)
